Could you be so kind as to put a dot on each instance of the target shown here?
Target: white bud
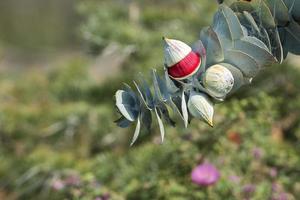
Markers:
(175, 51)
(201, 107)
(218, 81)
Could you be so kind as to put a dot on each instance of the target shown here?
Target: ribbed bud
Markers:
(218, 81)
(201, 107)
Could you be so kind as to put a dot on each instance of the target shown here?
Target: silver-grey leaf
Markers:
(251, 21)
(176, 106)
(262, 56)
(127, 105)
(212, 44)
(221, 25)
(146, 119)
(172, 89)
(123, 122)
(161, 125)
(130, 91)
(234, 23)
(199, 48)
(136, 132)
(265, 38)
(145, 92)
(296, 10)
(279, 11)
(239, 80)
(244, 62)
(160, 89)
(276, 45)
(184, 110)
(165, 114)
(293, 37)
(257, 42)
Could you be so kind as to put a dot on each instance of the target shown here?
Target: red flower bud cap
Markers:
(180, 60)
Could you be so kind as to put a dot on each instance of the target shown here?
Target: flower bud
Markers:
(201, 107)
(218, 81)
(180, 60)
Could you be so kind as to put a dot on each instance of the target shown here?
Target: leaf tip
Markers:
(210, 123)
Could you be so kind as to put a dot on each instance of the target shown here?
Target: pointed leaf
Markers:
(292, 42)
(199, 48)
(265, 38)
(261, 10)
(294, 8)
(239, 80)
(290, 4)
(160, 84)
(227, 2)
(244, 62)
(234, 23)
(130, 91)
(144, 92)
(251, 21)
(184, 110)
(283, 34)
(264, 14)
(256, 42)
(123, 122)
(276, 45)
(212, 45)
(172, 89)
(262, 57)
(221, 26)
(176, 100)
(161, 125)
(136, 132)
(146, 88)
(127, 105)
(146, 119)
(279, 11)
(241, 6)
(165, 114)
(245, 30)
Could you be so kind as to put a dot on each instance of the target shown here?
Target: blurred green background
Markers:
(60, 65)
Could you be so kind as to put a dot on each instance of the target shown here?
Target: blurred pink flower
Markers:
(275, 187)
(234, 179)
(278, 192)
(57, 184)
(72, 180)
(105, 197)
(257, 153)
(281, 196)
(273, 172)
(205, 174)
(248, 189)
